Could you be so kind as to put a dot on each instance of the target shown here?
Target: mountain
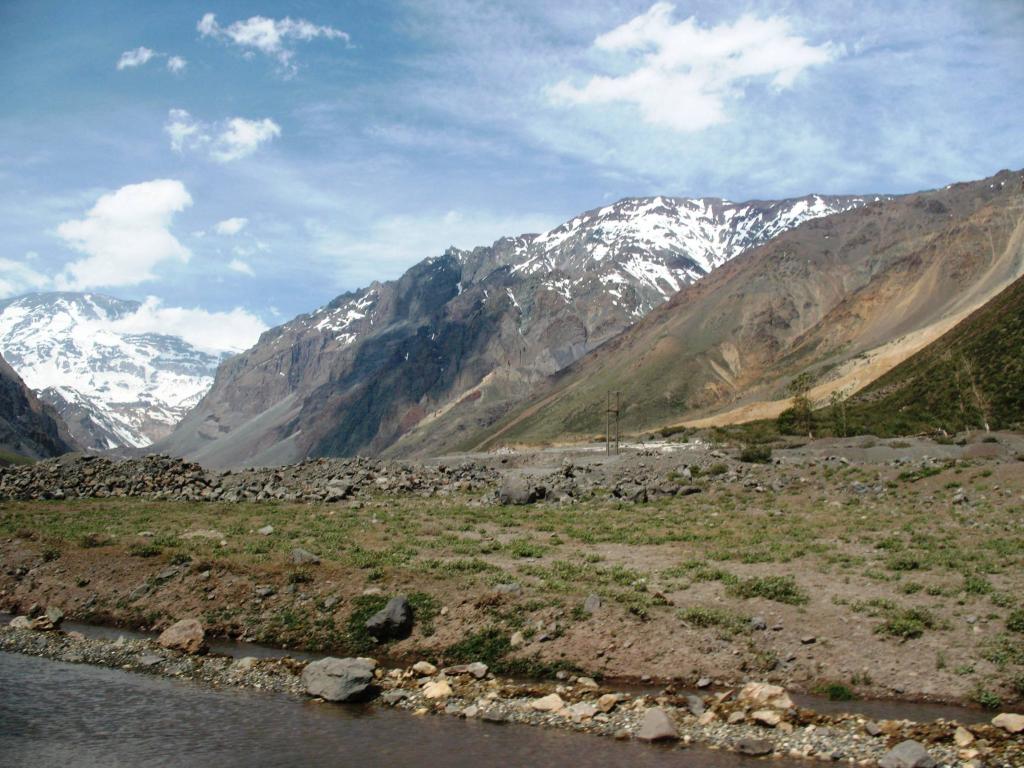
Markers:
(28, 427)
(844, 298)
(971, 377)
(114, 388)
(414, 365)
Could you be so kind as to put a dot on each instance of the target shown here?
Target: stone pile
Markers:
(163, 477)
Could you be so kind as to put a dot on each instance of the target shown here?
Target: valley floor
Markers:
(850, 567)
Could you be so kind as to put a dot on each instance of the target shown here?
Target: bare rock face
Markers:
(187, 636)
(28, 427)
(339, 679)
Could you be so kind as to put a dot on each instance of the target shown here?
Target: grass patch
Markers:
(780, 589)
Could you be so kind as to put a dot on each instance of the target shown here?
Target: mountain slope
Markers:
(114, 388)
(413, 365)
(28, 427)
(971, 377)
(845, 297)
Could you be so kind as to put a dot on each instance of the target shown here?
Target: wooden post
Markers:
(608, 424)
(617, 399)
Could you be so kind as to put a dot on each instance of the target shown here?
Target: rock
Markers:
(471, 711)
(768, 717)
(244, 664)
(439, 689)
(264, 591)
(266, 530)
(393, 622)
(150, 659)
(907, 754)
(582, 710)
(301, 556)
(210, 533)
(695, 704)
(493, 716)
(757, 624)
(54, 615)
(707, 718)
(518, 491)
(592, 604)
(513, 588)
(704, 682)
(1009, 722)
(424, 669)
(20, 622)
(586, 682)
(476, 669)
(808, 640)
(517, 639)
(550, 703)
(755, 747)
(871, 728)
(657, 726)
(391, 698)
(962, 737)
(186, 635)
(765, 694)
(736, 717)
(607, 702)
(331, 602)
(336, 679)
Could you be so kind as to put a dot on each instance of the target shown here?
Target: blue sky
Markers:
(260, 158)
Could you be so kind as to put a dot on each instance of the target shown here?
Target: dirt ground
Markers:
(878, 568)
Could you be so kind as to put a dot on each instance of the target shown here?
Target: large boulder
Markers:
(657, 726)
(393, 622)
(186, 635)
(765, 695)
(907, 754)
(517, 490)
(339, 679)
(1009, 722)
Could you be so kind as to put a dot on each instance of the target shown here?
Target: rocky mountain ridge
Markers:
(411, 366)
(28, 428)
(114, 388)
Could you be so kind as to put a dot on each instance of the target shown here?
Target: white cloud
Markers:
(268, 36)
(125, 236)
(215, 332)
(16, 277)
(231, 226)
(230, 140)
(242, 137)
(682, 76)
(238, 265)
(135, 58)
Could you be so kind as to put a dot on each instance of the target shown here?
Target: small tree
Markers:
(837, 404)
(803, 411)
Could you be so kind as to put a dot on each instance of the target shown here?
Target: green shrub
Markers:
(907, 623)
(1015, 621)
(756, 454)
(781, 589)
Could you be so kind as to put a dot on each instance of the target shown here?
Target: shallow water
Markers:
(58, 714)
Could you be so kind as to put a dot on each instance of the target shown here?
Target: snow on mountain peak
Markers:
(115, 388)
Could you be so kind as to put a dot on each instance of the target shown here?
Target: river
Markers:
(58, 714)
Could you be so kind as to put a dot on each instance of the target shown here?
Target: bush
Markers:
(781, 589)
(756, 454)
(1015, 621)
(705, 617)
(907, 623)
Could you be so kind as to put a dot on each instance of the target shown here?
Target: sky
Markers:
(233, 164)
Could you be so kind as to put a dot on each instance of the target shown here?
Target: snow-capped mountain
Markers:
(416, 364)
(112, 387)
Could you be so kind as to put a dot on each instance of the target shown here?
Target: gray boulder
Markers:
(592, 604)
(519, 491)
(393, 622)
(756, 747)
(907, 754)
(339, 679)
(657, 726)
(304, 557)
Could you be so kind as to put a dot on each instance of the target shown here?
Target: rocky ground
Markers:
(757, 719)
(854, 567)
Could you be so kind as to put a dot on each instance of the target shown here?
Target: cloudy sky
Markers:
(238, 163)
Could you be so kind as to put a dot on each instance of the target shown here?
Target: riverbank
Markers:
(881, 569)
(755, 725)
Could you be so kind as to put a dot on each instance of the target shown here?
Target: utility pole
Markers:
(609, 410)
